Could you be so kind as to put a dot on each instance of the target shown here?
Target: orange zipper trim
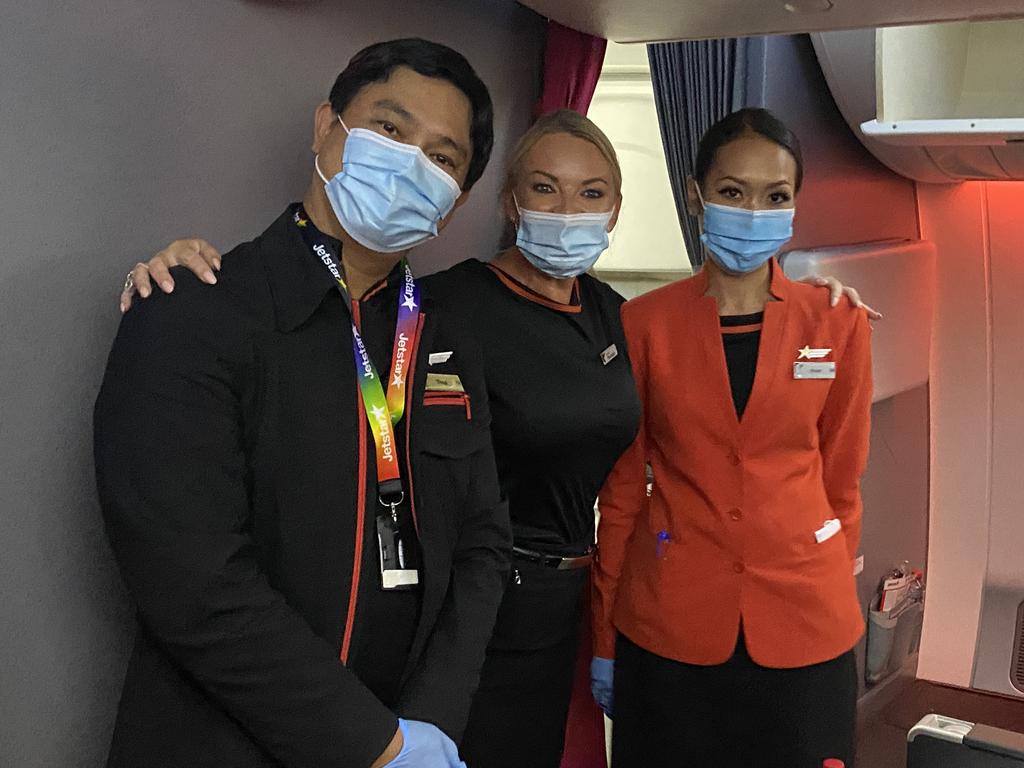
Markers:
(357, 562)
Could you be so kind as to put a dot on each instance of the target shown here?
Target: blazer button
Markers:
(738, 567)
(736, 514)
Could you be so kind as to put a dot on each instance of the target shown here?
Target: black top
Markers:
(561, 416)
(741, 337)
(230, 468)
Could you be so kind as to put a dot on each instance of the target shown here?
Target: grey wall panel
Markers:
(122, 126)
(848, 195)
(895, 490)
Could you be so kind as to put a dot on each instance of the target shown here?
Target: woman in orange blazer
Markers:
(726, 595)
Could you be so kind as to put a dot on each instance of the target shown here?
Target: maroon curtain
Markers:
(572, 65)
(584, 732)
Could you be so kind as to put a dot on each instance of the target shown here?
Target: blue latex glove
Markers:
(426, 746)
(602, 678)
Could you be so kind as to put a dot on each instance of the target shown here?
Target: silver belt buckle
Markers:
(572, 563)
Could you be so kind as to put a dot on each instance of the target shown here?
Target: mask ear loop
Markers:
(519, 211)
(316, 160)
(700, 221)
(700, 197)
(616, 209)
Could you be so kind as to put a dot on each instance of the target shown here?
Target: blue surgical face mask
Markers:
(741, 240)
(388, 196)
(562, 244)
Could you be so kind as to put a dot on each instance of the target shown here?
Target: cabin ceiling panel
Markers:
(653, 20)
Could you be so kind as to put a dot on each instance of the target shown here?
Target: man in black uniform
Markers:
(315, 541)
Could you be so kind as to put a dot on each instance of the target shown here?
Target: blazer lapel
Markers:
(773, 335)
(718, 390)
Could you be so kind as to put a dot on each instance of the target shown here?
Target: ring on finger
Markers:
(129, 280)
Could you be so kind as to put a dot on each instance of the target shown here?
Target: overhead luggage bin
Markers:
(944, 132)
(938, 103)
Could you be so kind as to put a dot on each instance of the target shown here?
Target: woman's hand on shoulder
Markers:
(195, 253)
(837, 290)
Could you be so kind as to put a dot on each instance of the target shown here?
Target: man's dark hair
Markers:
(376, 63)
(744, 122)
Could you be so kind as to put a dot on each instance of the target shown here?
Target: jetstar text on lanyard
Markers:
(382, 411)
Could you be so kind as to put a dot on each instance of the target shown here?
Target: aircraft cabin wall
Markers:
(978, 418)
(849, 197)
(963, 503)
(126, 125)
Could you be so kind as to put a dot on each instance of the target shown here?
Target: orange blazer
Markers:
(731, 529)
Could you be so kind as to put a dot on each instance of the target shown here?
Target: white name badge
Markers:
(439, 357)
(814, 370)
(609, 354)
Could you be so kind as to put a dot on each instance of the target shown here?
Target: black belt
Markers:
(555, 561)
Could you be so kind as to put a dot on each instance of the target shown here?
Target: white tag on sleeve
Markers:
(828, 530)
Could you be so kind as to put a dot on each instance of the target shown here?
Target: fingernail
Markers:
(124, 308)
(167, 285)
(216, 264)
(209, 277)
(144, 291)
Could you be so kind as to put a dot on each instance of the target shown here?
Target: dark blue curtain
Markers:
(696, 83)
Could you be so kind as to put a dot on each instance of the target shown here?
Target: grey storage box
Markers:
(944, 742)
(891, 639)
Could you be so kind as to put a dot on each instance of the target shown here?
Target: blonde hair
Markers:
(562, 121)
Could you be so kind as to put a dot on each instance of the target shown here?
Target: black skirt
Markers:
(732, 715)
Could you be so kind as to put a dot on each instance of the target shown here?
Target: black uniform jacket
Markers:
(237, 473)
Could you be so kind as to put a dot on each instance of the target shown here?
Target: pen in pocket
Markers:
(663, 539)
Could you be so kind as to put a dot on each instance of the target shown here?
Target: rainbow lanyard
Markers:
(382, 411)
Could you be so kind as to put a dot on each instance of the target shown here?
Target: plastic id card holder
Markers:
(397, 571)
